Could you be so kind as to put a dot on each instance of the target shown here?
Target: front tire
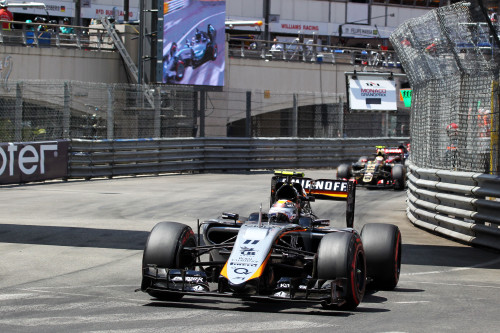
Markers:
(399, 177)
(165, 248)
(382, 244)
(341, 255)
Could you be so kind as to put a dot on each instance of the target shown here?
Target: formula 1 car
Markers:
(201, 48)
(287, 253)
(387, 169)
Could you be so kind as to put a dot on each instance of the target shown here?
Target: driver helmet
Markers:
(283, 211)
(198, 35)
(380, 156)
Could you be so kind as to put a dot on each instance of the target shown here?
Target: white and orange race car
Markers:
(286, 253)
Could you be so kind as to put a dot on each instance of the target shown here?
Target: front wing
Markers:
(195, 283)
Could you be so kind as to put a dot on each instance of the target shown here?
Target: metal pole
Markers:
(202, 113)
(141, 39)
(196, 111)
(295, 117)
(18, 118)
(78, 13)
(341, 118)
(267, 10)
(126, 10)
(248, 127)
(110, 114)
(66, 111)
(157, 116)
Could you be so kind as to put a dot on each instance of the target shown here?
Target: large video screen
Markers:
(194, 42)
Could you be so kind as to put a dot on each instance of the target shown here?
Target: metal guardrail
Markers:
(50, 35)
(109, 158)
(309, 52)
(460, 205)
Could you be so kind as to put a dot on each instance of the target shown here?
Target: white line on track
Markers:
(280, 326)
(107, 318)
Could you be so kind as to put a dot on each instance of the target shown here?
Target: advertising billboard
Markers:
(194, 42)
(22, 162)
(372, 94)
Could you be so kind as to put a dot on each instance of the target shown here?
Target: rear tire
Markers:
(341, 255)
(344, 171)
(164, 248)
(382, 244)
(180, 68)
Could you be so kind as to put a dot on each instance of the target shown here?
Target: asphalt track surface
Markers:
(71, 254)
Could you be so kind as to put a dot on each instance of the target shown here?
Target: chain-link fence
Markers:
(451, 59)
(40, 110)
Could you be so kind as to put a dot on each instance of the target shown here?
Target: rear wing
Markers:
(322, 189)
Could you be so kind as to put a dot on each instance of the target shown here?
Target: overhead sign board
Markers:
(372, 94)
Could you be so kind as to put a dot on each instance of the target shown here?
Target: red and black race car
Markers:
(286, 253)
(386, 169)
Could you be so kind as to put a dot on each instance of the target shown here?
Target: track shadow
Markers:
(260, 307)
(72, 236)
(449, 256)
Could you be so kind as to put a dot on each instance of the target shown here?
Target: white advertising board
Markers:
(372, 94)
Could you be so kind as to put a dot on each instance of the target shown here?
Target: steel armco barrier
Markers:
(109, 158)
(461, 205)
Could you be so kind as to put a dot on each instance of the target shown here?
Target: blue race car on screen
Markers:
(194, 52)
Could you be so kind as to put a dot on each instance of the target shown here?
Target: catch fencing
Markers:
(41, 111)
(451, 57)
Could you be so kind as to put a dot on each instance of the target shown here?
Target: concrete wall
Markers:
(273, 83)
(30, 63)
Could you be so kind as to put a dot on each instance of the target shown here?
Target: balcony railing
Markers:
(50, 35)
(309, 52)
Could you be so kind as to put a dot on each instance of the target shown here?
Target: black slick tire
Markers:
(399, 177)
(382, 244)
(341, 255)
(164, 248)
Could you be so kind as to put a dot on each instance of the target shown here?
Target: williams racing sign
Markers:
(372, 94)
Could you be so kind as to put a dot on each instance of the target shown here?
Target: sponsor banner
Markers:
(98, 11)
(89, 10)
(54, 8)
(22, 162)
(372, 94)
(293, 27)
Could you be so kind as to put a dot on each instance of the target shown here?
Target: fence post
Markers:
(196, 111)
(157, 116)
(66, 110)
(18, 120)
(341, 116)
(295, 117)
(202, 113)
(110, 114)
(248, 123)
